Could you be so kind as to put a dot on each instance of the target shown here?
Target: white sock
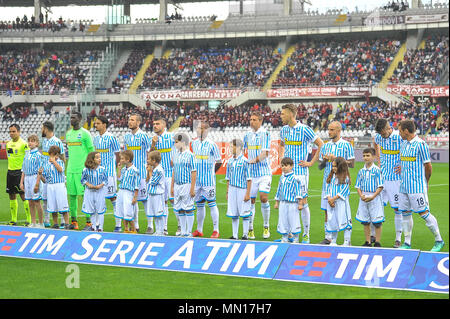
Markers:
(245, 225)
(432, 225)
(201, 210)
(235, 226)
(159, 225)
(252, 218)
(347, 236)
(328, 235)
(407, 226)
(306, 218)
(136, 215)
(100, 221)
(334, 236)
(182, 223)
(46, 214)
(398, 218)
(189, 224)
(214, 215)
(149, 222)
(265, 211)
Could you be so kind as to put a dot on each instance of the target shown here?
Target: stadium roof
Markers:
(64, 3)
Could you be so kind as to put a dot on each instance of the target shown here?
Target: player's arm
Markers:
(428, 171)
(377, 151)
(247, 193)
(22, 178)
(172, 183)
(193, 181)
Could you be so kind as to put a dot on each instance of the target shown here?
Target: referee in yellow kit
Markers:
(15, 150)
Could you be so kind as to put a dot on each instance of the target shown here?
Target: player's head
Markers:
(340, 169)
(101, 123)
(159, 125)
(47, 128)
(383, 128)
(55, 151)
(126, 156)
(287, 164)
(407, 129)
(93, 160)
(75, 118)
(181, 140)
(202, 129)
(236, 146)
(369, 155)
(154, 158)
(14, 131)
(134, 121)
(334, 130)
(33, 141)
(256, 119)
(288, 113)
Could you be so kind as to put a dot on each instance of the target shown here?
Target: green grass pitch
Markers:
(29, 279)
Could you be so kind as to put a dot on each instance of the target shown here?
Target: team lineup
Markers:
(168, 167)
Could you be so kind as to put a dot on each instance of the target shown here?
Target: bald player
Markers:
(336, 147)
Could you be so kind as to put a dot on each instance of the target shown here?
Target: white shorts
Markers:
(417, 203)
(124, 206)
(390, 193)
(260, 184)
(155, 205)
(94, 201)
(28, 184)
(142, 194)
(288, 218)
(236, 205)
(371, 212)
(339, 217)
(182, 200)
(57, 198)
(111, 188)
(207, 193)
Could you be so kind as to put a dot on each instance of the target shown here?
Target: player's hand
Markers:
(192, 192)
(252, 161)
(134, 200)
(363, 197)
(300, 204)
(275, 205)
(40, 170)
(21, 186)
(155, 139)
(247, 197)
(36, 188)
(398, 170)
(305, 164)
(369, 199)
(172, 192)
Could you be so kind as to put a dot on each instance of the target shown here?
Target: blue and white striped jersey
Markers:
(206, 155)
(256, 142)
(165, 146)
(31, 162)
(51, 174)
(296, 140)
(129, 178)
(156, 183)
(95, 176)
(107, 145)
(369, 179)
(335, 188)
(289, 188)
(389, 154)
(341, 148)
(238, 171)
(49, 142)
(140, 144)
(413, 155)
(183, 165)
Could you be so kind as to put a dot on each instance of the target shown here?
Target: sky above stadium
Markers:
(220, 9)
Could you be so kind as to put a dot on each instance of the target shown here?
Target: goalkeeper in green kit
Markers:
(79, 145)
